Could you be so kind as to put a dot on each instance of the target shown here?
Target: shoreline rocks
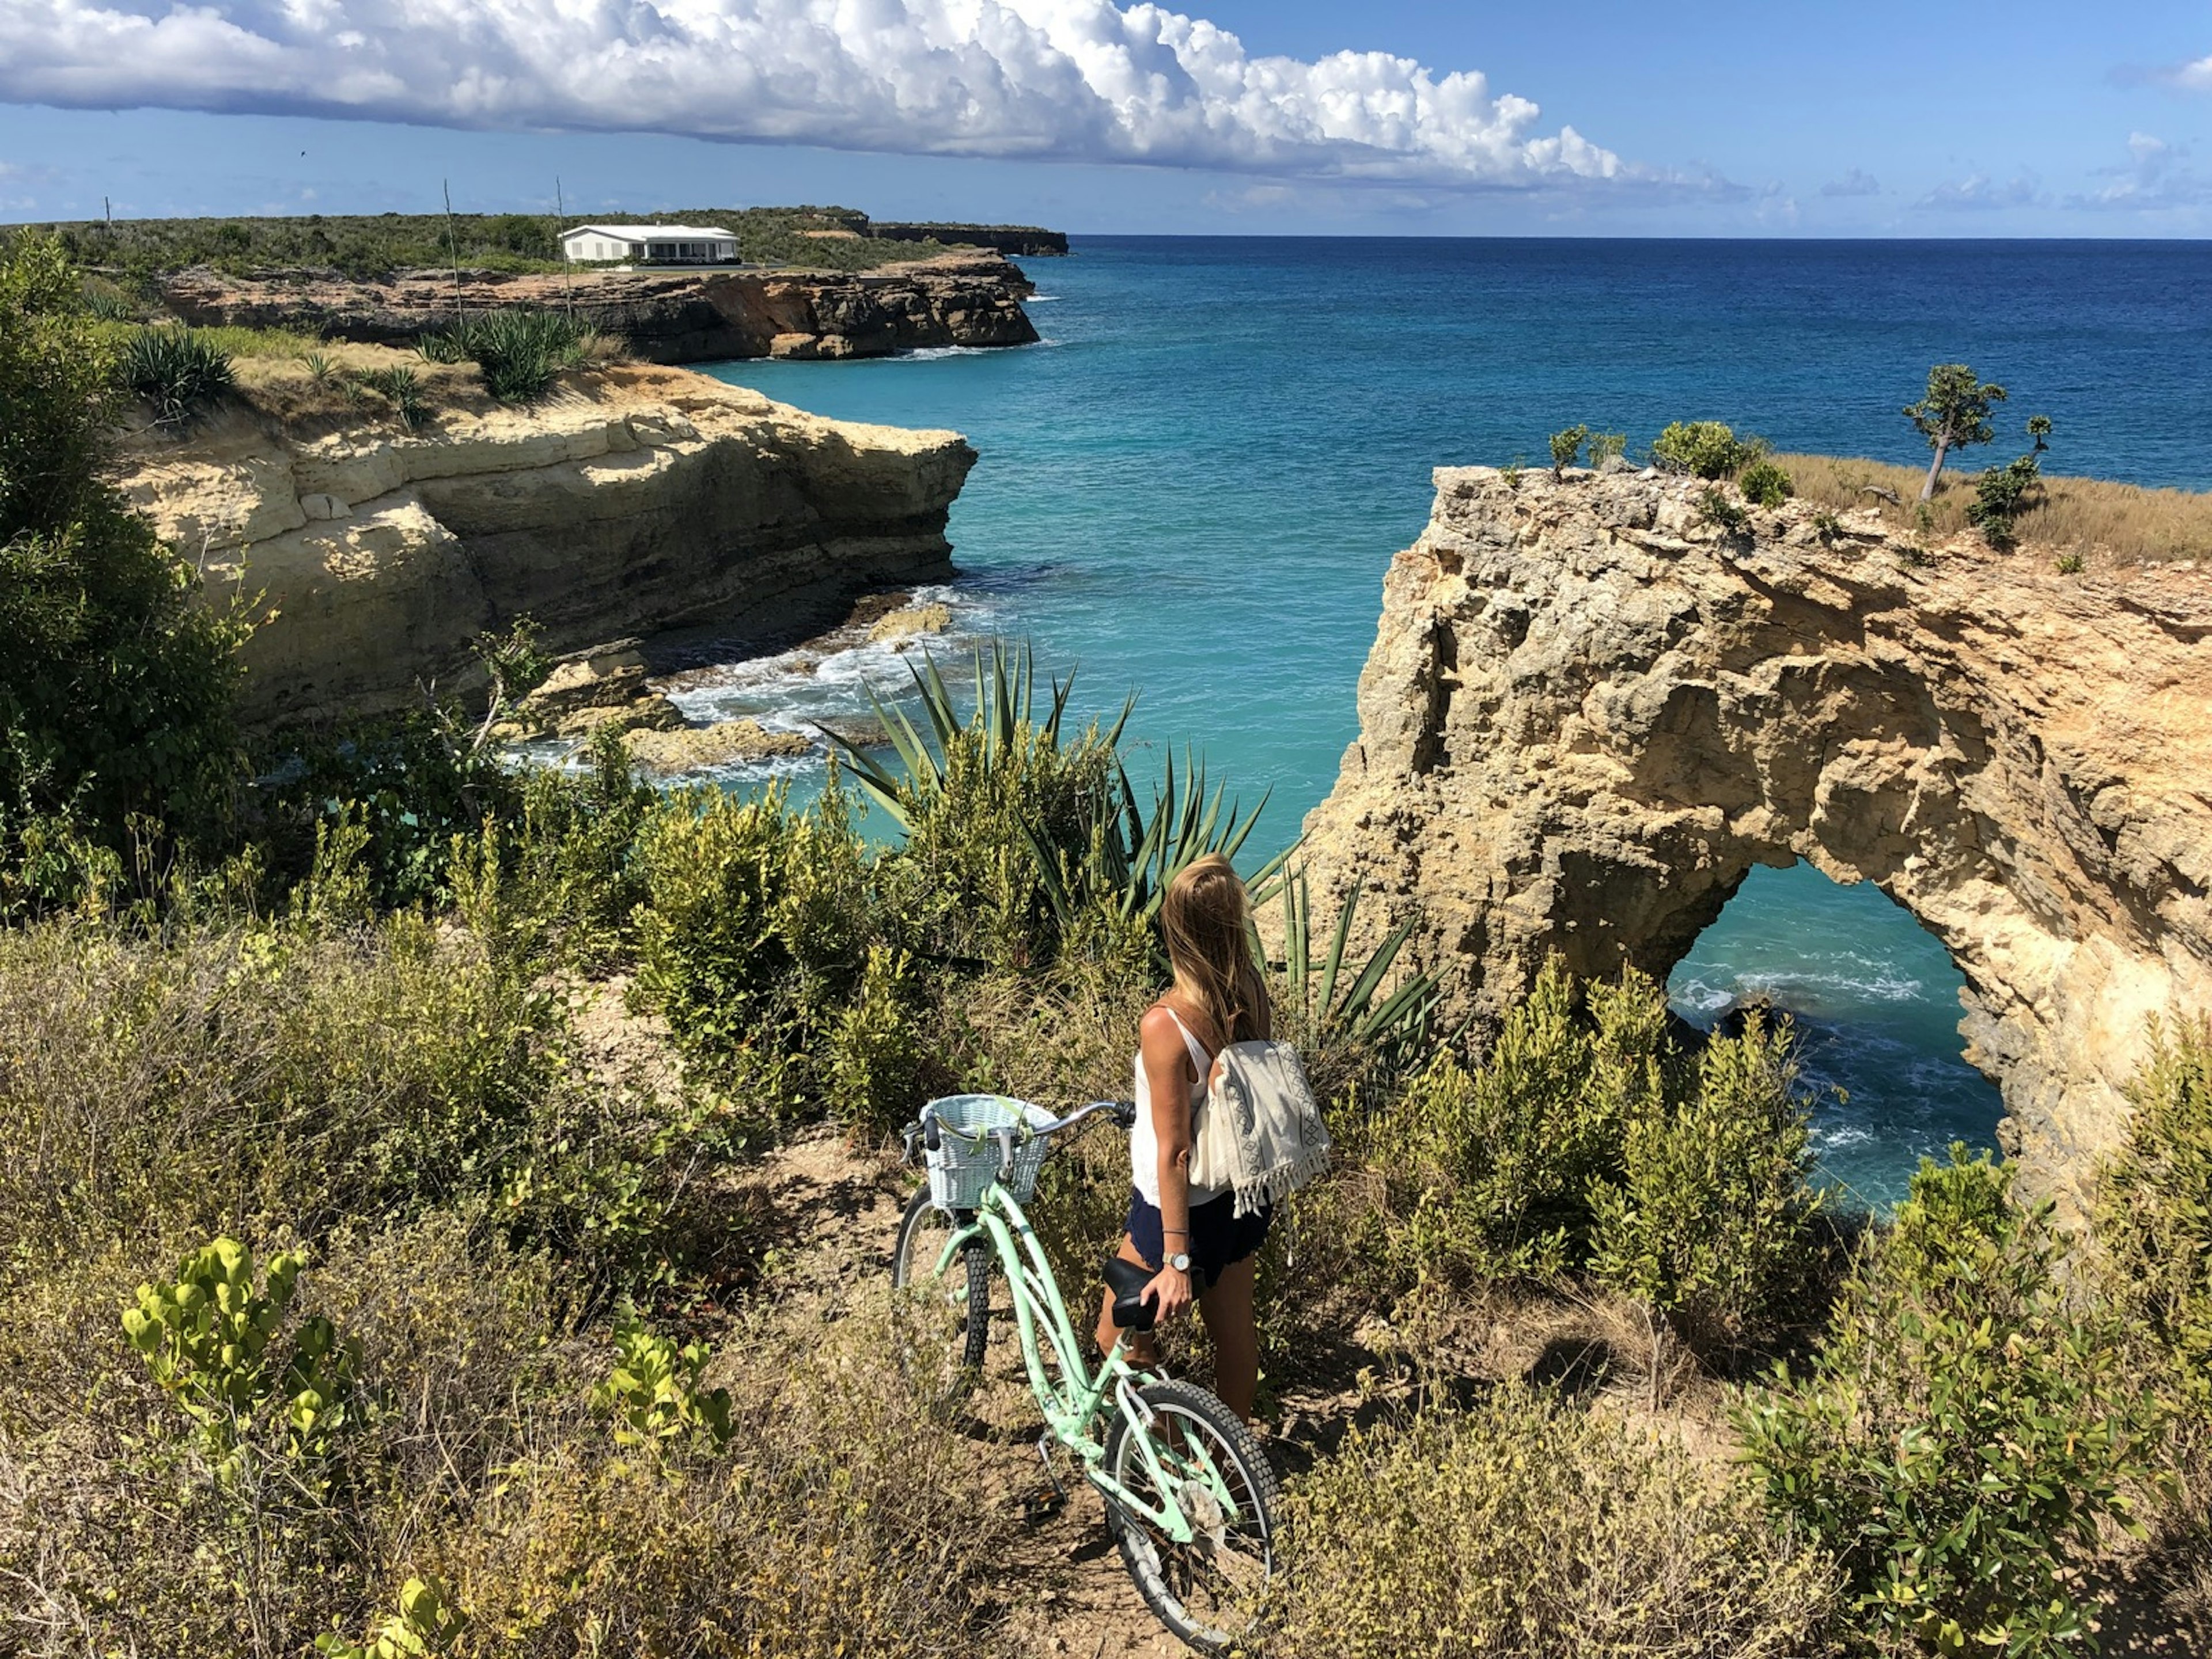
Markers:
(1589, 713)
(662, 315)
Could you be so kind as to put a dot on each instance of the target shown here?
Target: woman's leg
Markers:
(1143, 1351)
(1234, 1326)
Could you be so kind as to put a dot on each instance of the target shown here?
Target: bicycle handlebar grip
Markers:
(929, 1138)
(1125, 1113)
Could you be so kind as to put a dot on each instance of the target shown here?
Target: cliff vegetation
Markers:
(443, 1211)
(380, 245)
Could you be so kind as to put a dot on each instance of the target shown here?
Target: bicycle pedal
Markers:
(1042, 1504)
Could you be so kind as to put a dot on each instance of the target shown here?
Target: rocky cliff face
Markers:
(665, 316)
(1588, 713)
(634, 501)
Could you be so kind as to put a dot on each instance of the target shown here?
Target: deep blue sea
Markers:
(1191, 488)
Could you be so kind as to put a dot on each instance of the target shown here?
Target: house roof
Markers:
(656, 232)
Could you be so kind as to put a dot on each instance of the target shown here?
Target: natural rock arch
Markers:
(1588, 714)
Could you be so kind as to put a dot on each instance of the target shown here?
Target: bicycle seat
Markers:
(1127, 1279)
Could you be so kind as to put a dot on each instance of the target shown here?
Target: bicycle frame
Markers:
(1073, 1404)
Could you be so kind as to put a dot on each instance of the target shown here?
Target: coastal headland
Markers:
(637, 498)
(1591, 708)
(963, 298)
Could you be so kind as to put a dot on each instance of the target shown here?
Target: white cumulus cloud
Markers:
(1061, 79)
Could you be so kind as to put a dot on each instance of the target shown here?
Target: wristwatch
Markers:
(1180, 1261)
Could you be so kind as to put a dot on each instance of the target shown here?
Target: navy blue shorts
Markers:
(1220, 1237)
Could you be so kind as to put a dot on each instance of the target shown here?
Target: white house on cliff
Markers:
(656, 245)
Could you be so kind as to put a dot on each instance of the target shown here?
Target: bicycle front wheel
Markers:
(1208, 1592)
(945, 1318)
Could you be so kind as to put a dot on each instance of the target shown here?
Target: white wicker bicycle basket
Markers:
(966, 1158)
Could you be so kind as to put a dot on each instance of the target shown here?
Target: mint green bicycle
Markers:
(1190, 1499)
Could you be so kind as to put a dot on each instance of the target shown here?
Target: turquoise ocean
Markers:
(1192, 487)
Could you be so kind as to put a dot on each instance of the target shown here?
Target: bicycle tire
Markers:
(1148, 1556)
(957, 1371)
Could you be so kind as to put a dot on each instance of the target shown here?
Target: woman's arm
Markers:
(1169, 1075)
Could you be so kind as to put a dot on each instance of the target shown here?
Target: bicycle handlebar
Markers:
(925, 1129)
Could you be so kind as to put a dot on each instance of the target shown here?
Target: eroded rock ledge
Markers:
(665, 316)
(1588, 713)
(634, 501)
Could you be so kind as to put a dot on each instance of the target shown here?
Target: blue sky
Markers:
(1710, 117)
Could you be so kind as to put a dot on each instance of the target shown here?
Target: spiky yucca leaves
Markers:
(1032, 839)
(1342, 1002)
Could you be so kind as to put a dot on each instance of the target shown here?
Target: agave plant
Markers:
(1334, 999)
(1109, 852)
(176, 370)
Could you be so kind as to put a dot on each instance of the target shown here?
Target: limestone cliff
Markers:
(633, 502)
(663, 316)
(1589, 713)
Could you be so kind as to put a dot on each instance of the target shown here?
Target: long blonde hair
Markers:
(1205, 920)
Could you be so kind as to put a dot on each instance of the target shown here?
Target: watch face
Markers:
(1180, 1263)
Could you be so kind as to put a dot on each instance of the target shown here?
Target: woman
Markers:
(1198, 1249)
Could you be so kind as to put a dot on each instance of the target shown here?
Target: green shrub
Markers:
(116, 690)
(1566, 448)
(2002, 494)
(1716, 506)
(1606, 446)
(177, 370)
(879, 1062)
(317, 1072)
(2070, 564)
(2154, 1214)
(1764, 484)
(427, 1623)
(1710, 1222)
(1520, 1527)
(206, 1340)
(1961, 1435)
(655, 1394)
(755, 931)
(1703, 449)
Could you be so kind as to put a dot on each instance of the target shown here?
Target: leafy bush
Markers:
(756, 931)
(399, 386)
(2153, 1215)
(1710, 1224)
(655, 1394)
(206, 1340)
(1721, 510)
(1566, 448)
(1961, 1435)
(426, 1623)
(116, 690)
(2002, 494)
(1764, 484)
(2070, 564)
(177, 370)
(1519, 1528)
(1703, 449)
(1606, 446)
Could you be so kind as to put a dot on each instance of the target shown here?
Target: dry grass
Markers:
(2124, 524)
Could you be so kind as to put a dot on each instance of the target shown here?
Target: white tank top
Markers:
(1144, 1140)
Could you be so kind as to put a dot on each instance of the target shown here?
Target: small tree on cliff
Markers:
(116, 684)
(1955, 412)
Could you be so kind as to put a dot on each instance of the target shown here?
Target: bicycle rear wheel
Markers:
(945, 1318)
(1208, 1591)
